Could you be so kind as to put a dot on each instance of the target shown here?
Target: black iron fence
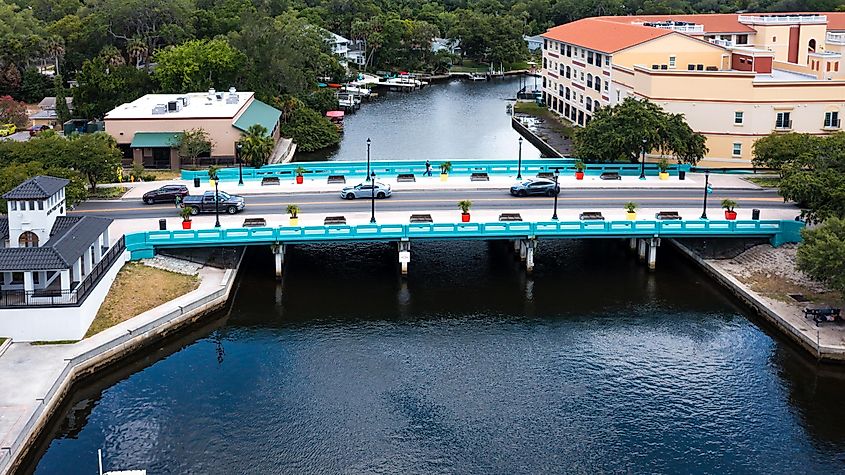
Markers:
(59, 297)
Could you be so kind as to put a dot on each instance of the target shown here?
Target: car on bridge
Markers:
(165, 194)
(365, 190)
(206, 204)
(535, 186)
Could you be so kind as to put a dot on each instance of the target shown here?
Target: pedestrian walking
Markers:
(427, 168)
(178, 200)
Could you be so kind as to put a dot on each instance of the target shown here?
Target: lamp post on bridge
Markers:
(373, 197)
(519, 165)
(706, 192)
(368, 159)
(216, 203)
(642, 163)
(556, 192)
(238, 147)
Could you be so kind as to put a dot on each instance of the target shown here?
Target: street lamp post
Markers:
(519, 165)
(368, 159)
(373, 197)
(557, 190)
(706, 188)
(216, 204)
(642, 163)
(238, 146)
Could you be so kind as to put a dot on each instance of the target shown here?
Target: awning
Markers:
(156, 139)
(259, 113)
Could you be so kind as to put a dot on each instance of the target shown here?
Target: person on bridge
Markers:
(427, 168)
(178, 200)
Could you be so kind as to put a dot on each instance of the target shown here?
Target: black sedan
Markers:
(535, 186)
(166, 194)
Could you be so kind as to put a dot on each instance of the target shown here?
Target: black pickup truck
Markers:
(205, 204)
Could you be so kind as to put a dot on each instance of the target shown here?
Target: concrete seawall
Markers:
(799, 330)
(96, 353)
(546, 149)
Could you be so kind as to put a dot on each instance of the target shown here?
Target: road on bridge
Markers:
(447, 200)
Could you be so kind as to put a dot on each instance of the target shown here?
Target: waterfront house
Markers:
(149, 129)
(735, 77)
(46, 113)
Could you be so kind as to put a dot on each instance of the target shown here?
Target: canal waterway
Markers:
(445, 120)
(592, 364)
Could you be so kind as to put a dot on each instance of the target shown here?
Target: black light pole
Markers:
(642, 163)
(240, 163)
(368, 159)
(216, 204)
(706, 186)
(373, 197)
(519, 166)
(557, 190)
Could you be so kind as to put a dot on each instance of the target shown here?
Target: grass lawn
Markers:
(3, 340)
(108, 193)
(765, 181)
(53, 342)
(137, 289)
(470, 66)
(559, 124)
(164, 174)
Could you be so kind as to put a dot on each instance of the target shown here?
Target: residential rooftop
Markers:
(211, 104)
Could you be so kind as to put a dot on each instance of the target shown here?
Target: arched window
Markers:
(598, 84)
(812, 46)
(589, 80)
(589, 103)
(28, 239)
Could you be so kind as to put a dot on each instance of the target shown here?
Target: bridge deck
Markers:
(778, 231)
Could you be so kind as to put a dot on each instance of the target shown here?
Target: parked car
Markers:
(37, 129)
(536, 186)
(205, 203)
(166, 194)
(7, 129)
(365, 190)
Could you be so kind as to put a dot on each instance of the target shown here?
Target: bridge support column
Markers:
(404, 255)
(632, 244)
(652, 252)
(641, 248)
(279, 256)
(523, 249)
(529, 245)
(516, 245)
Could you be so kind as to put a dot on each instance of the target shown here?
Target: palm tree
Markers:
(256, 145)
(55, 48)
(111, 55)
(137, 50)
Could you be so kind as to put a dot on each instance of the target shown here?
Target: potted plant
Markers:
(185, 213)
(465, 205)
(729, 206)
(445, 168)
(293, 211)
(212, 174)
(663, 165)
(631, 210)
(299, 171)
(579, 169)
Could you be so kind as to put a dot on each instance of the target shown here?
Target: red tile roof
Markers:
(836, 21)
(713, 23)
(606, 36)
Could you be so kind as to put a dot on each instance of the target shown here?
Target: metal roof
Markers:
(156, 139)
(70, 238)
(259, 113)
(37, 188)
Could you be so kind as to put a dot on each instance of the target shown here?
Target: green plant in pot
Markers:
(445, 168)
(663, 166)
(185, 213)
(579, 169)
(213, 174)
(293, 211)
(299, 172)
(729, 205)
(631, 210)
(465, 205)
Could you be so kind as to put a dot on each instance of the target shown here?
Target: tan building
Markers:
(736, 78)
(149, 129)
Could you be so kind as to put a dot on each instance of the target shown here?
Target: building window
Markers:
(582, 76)
(40, 205)
(774, 39)
(28, 239)
(590, 57)
(738, 117)
(598, 84)
(831, 119)
(14, 205)
(672, 62)
(569, 51)
(605, 86)
(783, 121)
(737, 149)
(589, 104)
(545, 44)
(598, 59)
(742, 39)
(607, 60)
(589, 80)
(568, 72)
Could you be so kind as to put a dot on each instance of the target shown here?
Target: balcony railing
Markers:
(835, 38)
(675, 27)
(782, 19)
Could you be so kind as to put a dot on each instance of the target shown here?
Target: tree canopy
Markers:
(197, 65)
(822, 253)
(623, 132)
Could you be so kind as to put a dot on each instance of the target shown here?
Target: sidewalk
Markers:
(319, 185)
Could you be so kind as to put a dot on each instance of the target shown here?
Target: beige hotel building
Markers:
(735, 77)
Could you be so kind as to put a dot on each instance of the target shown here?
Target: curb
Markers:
(6, 344)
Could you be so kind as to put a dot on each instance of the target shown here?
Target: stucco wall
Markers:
(223, 135)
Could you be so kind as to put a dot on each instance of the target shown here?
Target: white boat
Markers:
(478, 77)
(355, 90)
(117, 472)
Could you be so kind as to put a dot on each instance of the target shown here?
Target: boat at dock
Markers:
(477, 77)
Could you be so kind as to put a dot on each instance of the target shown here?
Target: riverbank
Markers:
(543, 129)
(28, 403)
(763, 277)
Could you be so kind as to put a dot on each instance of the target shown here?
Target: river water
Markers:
(446, 120)
(470, 366)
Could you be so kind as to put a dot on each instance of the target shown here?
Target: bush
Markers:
(822, 254)
(310, 130)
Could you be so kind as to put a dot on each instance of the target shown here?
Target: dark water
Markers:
(591, 365)
(453, 119)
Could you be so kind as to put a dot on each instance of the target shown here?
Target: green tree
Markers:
(62, 109)
(95, 156)
(102, 88)
(14, 174)
(822, 253)
(155, 22)
(197, 66)
(622, 132)
(308, 128)
(322, 100)
(193, 144)
(256, 145)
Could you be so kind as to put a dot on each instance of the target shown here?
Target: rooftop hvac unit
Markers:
(159, 109)
(184, 100)
(232, 98)
(174, 106)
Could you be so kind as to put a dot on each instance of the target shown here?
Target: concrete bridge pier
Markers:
(642, 245)
(632, 244)
(526, 252)
(279, 256)
(404, 255)
(653, 244)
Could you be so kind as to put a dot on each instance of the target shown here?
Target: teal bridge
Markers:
(644, 235)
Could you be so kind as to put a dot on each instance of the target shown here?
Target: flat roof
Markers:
(779, 75)
(199, 106)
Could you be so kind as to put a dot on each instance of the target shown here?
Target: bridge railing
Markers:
(392, 168)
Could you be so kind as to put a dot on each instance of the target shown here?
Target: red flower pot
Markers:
(464, 217)
(579, 175)
(186, 225)
(299, 179)
(730, 215)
